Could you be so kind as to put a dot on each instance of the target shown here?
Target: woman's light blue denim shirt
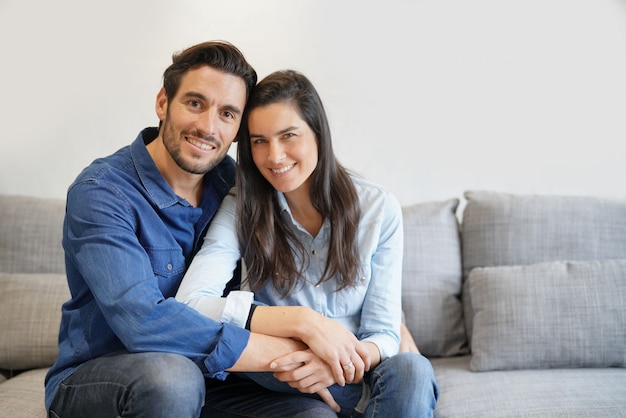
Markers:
(371, 309)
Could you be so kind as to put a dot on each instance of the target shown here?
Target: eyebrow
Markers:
(193, 94)
(282, 131)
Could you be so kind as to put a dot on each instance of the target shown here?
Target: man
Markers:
(134, 221)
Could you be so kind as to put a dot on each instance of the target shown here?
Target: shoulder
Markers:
(106, 168)
(374, 197)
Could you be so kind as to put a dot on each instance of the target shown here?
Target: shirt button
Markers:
(170, 266)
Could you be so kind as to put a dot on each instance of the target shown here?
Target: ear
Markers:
(161, 104)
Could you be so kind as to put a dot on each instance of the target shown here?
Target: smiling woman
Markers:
(323, 251)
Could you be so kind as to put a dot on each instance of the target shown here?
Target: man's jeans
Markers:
(155, 385)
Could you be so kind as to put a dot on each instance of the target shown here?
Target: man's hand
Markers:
(307, 372)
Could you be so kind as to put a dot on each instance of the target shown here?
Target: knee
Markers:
(411, 363)
(414, 368)
(170, 379)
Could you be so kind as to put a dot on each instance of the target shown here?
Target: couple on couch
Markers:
(312, 329)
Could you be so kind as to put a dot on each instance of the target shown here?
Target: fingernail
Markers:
(272, 365)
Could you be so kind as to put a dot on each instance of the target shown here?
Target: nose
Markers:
(276, 152)
(207, 122)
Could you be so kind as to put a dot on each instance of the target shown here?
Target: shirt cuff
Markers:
(237, 308)
(387, 345)
(230, 344)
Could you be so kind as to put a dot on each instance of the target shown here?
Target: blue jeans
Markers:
(155, 385)
(401, 386)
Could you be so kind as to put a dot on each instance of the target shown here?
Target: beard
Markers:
(172, 144)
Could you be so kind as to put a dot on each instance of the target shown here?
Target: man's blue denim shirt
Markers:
(128, 240)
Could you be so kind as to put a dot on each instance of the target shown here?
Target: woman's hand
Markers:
(347, 357)
(307, 372)
(330, 340)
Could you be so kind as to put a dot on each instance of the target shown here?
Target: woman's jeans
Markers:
(401, 386)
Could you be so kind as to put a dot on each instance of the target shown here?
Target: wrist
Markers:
(306, 321)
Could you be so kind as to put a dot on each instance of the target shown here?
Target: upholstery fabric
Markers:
(431, 282)
(30, 235)
(501, 229)
(30, 315)
(22, 395)
(549, 315)
(581, 393)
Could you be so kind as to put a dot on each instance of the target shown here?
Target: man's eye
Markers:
(229, 115)
(194, 103)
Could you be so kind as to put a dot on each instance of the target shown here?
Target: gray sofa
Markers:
(521, 307)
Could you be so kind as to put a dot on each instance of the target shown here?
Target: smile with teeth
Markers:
(199, 144)
(282, 169)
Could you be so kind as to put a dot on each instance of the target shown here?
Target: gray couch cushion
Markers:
(23, 396)
(591, 393)
(557, 314)
(501, 229)
(30, 315)
(431, 282)
(30, 235)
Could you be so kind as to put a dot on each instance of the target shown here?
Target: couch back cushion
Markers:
(531, 231)
(32, 280)
(501, 229)
(30, 315)
(431, 278)
(30, 235)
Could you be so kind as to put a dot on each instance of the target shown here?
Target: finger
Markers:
(290, 361)
(338, 374)
(285, 367)
(353, 372)
(328, 398)
(359, 370)
(364, 355)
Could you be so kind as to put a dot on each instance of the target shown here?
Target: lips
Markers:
(202, 145)
(282, 170)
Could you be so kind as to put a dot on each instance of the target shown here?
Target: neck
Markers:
(304, 212)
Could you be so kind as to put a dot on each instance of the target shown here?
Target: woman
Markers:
(323, 248)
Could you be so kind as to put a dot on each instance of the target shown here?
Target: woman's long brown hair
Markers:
(269, 247)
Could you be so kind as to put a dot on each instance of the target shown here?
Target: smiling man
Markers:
(134, 220)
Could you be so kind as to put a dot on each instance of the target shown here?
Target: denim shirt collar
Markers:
(159, 190)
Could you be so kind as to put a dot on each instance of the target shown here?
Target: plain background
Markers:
(427, 97)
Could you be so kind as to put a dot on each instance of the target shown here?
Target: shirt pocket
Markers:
(349, 301)
(168, 265)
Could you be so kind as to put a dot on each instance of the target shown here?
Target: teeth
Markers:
(282, 170)
(199, 144)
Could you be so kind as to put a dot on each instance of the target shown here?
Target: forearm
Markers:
(284, 321)
(262, 349)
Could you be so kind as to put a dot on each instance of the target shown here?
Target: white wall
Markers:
(428, 97)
